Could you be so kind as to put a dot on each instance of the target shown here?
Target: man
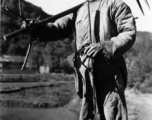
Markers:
(104, 31)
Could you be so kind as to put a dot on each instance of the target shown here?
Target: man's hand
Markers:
(93, 49)
(34, 31)
(27, 23)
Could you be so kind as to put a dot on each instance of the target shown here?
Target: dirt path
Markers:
(139, 105)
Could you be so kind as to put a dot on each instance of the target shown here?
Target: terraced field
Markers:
(44, 92)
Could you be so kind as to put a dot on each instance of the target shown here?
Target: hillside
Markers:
(143, 36)
(139, 59)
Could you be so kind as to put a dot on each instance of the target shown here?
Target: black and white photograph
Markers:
(76, 60)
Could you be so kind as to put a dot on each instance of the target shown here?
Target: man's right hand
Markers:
(93, 49)
(34, 31)
(27, 23)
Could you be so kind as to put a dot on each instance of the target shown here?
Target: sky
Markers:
(143, 23)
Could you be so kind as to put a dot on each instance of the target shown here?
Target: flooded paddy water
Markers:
(36, 97)
(16, 113)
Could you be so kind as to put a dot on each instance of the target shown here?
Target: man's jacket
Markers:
(112, 24)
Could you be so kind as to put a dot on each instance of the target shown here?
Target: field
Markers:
(38, 91)
(53, 97)
(37, 97)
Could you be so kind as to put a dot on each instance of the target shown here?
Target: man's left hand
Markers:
(93, 49)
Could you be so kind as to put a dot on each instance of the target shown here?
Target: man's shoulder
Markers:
(117, 2)
(83, 6)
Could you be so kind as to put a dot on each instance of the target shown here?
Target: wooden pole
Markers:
(43, 22)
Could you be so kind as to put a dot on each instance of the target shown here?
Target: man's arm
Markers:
(60, 29)
(125, 23)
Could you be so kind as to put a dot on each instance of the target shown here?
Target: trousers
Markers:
(110, 103)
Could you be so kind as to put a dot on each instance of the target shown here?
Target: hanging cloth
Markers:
(91, 73)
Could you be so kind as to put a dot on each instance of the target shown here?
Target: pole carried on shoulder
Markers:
(41, 23)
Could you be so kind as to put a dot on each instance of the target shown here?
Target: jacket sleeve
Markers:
(126, 28)
(60, 29)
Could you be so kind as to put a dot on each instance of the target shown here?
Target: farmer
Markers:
(104, 31)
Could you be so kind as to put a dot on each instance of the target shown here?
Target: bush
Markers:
(67, 67)
(139, 59)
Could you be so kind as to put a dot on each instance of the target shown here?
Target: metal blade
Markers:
(140, 6)
(147, 4)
